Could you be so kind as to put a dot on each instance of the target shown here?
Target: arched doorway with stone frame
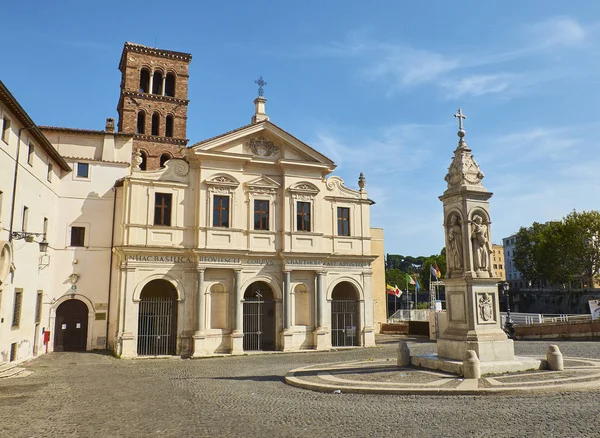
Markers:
(259, 322)
(345, 315)
(71, 326)
(157, 319)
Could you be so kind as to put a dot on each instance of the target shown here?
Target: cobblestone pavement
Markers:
(87, 395)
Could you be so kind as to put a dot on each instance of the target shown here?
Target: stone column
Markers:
(286, 300)
(151, 82)
(287, 335)
(320, 299)
(164, 81)
(322, 340)
(128, 317)
(237, 336)
(199, 336)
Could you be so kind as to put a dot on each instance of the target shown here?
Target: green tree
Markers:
(581, 235)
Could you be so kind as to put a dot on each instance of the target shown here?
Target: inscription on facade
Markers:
(159, 259)
(238, 261)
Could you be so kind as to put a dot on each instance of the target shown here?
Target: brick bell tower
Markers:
(153, 102)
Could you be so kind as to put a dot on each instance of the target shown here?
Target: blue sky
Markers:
(373, 86)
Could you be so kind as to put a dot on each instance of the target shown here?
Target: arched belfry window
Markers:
(143, 164)
(144, 80)
(163, 159)
(169, 126)
(155, 124)
(141, 123)
(157, 82)
(170, 85)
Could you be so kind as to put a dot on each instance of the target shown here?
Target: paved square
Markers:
(84, 395)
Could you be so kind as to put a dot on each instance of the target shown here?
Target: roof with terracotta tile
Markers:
(29, 125)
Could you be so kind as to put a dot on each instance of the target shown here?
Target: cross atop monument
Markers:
(460, 116)
(261, 83)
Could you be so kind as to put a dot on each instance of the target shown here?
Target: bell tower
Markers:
(153, 101)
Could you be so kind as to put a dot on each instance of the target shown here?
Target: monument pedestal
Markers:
(474, 324)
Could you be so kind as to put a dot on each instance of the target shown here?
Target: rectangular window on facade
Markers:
(162, 209)
(38, 307)
(30, 152)
(77, 236)
(303, 216)
(261, 214)
(25, 219)
(5, 129)
(221, 211)
(16, 321)
(343, 218)
(49, 173)
(82, 170)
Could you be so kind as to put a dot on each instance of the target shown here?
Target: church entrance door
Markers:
(70, 328)
(157, 320)
(344, 316)
(259, 318)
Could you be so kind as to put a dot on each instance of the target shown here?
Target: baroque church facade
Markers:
(241, 242)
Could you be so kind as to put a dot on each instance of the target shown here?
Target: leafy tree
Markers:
(582, 234)
(560, 252)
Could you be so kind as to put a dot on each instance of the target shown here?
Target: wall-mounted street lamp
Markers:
(509, 326)
(29, 237)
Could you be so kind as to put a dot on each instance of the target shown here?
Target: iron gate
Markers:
(157, 326)
(343, 323)
(259, 325)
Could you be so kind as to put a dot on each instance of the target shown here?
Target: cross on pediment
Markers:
(261, 83)
(460, 116)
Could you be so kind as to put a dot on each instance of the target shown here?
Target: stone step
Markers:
(14, 372)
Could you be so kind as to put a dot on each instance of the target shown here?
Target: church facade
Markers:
(241, 242)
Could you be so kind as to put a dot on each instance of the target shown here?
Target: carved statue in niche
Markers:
(486, 311)
(455, 245)
(481, 244)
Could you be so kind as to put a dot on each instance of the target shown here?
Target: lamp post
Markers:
(508, 325)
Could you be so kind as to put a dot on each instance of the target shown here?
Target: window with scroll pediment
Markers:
(221, 200)
(303, 205)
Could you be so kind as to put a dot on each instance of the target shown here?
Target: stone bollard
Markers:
(554, 358)
(403, 354)
(471, 365)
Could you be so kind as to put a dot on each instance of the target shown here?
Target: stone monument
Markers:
(473, 311)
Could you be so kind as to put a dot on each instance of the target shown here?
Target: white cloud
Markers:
(479, 85)
(557, 32)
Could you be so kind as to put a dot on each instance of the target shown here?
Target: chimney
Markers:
(110, 125)
(259, 110)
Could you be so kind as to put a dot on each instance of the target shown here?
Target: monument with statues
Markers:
(473, 329)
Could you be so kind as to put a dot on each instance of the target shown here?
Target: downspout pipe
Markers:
(112, 242)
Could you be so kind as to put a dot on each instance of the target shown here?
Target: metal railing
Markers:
(538, 318)
(410, 315)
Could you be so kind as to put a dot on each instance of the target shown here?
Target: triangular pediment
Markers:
(262, 141)
(262, 182)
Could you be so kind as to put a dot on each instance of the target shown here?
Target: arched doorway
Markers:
(344, 315)
(157, 320)
(71, 326)
(259, 318)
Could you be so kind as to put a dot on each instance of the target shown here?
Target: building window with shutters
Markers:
(38, 307)
(77, 236)
(162, 209)
(221, 211)
(261, 214)
(343, 220)
(16, 321)
(303, 216)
